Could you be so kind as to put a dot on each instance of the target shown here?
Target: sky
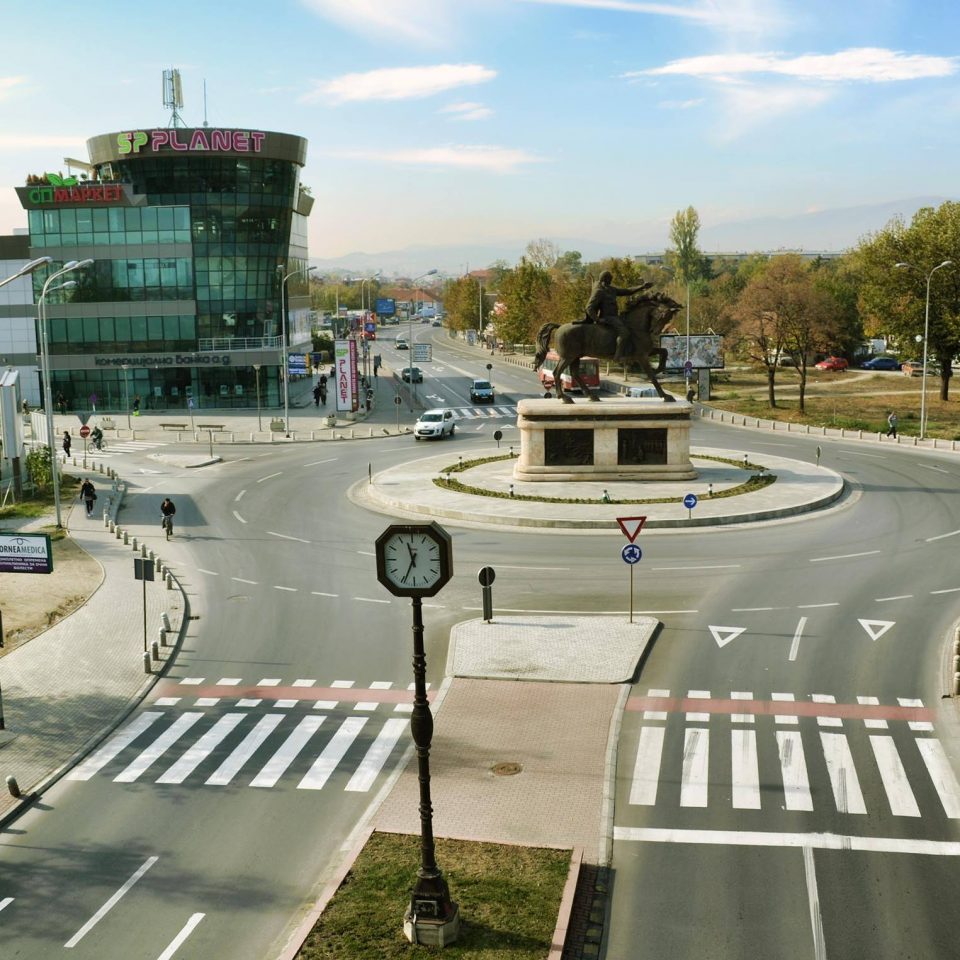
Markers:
(488, 123)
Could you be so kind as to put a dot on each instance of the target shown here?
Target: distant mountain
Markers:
(824, 230)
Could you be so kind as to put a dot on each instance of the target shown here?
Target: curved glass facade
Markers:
(188, 259)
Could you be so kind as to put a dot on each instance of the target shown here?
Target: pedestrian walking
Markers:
(67, 440)
(25, 407)
(136, 405)
(892, 425)
(61, 403)
(323, 393)
(88, 495)
(317, 392)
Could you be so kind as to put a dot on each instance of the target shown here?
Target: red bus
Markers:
(589, 372)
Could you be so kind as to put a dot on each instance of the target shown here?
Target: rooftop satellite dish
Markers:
(173, 96)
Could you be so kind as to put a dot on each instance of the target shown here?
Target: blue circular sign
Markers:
(631, 553)
(690, 501)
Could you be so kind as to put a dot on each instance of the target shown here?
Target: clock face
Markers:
(413, 560)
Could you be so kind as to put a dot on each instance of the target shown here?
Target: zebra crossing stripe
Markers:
(317, 776)
(196, 754)
(745, 769)
(646, 770)
(796, 786)
(118, 742)
(894, 778)
(230, 767)
(696, 767)
(941, 773)
(159, 746)
(291, 747)
(376, 756)
(843, 775)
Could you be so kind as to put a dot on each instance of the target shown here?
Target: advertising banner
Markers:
(705, 352)
(25, 553)
(386, 306)
(422, 352)
(345, 364)
(297, 364)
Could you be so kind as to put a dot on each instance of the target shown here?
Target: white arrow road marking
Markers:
(723, 635)
(876, 628)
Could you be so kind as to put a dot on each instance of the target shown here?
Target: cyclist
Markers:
(96, 435)
(167, 509)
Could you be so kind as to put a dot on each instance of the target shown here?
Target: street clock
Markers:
(414, 559)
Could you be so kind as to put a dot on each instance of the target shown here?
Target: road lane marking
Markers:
(816, 606)
(813, 899)
(646, 770)
(178, 940)
(366, 553)
(796, 786)
(316, 777)
(111, 903)
(270, 476)
(238, 497)
(370, 600)
(159, 746)
(951, 590)
(894, 777)
(252, 583)
(872, 456)
(845, 556)
(5, 902)
(201, 749)
(316, 462)
(843, 775)
(237, 515)
(320, 593)
(370, 766)
(696, 767)
(723, 635)
(287, 753)
(745, 770)
(876, 628)
(288, 589)
(927, 466)
(230, 767)
(212, 573)
(706, 566)
(283, 536)
(942, 775)
(817, 841)
(943, 536)
(97, 761)
(902, 596)
(795, 646)
(755, 609)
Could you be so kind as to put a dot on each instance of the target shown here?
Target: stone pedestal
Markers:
(617, 439)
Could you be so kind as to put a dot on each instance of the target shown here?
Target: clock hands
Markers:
(413, 562)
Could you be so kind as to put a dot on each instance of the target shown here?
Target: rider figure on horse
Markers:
(602, 308)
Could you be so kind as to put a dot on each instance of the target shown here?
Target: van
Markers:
(481, 391)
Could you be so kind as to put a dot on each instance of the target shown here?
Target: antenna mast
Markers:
(173, 97)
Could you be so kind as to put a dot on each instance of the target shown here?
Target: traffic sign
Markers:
(397, 400)
(84, 431)
(690, 501)
(631, 526)
(631, 553)
(486, 576)
(688, 366)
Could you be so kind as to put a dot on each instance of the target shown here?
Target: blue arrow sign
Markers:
(690, 501)
(631, 553)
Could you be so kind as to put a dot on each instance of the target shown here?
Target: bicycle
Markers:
(100, 446)
(167, 524)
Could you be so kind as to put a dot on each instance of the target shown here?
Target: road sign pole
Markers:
(631, 593)
(144, 613)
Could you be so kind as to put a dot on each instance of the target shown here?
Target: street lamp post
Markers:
(926, 337)
(284, 363)
(27, 268)
(256, 367)
(413, 304)
(126, 393)
(68, 267)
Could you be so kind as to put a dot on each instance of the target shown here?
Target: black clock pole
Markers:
(430, 898)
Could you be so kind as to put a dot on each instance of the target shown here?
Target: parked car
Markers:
(435, 424)
(881, 363)
(481, 391)
(641, 393)
(914, 368)
(832, 363)
(402, 344)
(436, 323)
(412, 375)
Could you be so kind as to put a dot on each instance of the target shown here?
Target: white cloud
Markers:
(471, 157)
(423, 21)
(7, 85)
(747, 106)
(399, 83)
(868, 64)
(733, 15)
(468, 110)
(680, 104)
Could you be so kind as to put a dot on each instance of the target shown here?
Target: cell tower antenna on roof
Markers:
(173, 96)
(205, 104)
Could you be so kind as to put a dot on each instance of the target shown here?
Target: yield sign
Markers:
(631, 526)
(723, 635)
(876, 628)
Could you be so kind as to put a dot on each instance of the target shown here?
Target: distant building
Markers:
(18, 328)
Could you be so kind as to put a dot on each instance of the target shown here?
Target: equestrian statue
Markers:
(631, 336)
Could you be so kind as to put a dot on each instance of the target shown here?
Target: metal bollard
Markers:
(13, 787)
(126, 537)
(956, 684)
(956, 664)
(163, 636)
(155, 650)
(100, 467)
(119, 533)
(169, 581)
(134, 543)
(143, 551)
(113, 526)
(146, 662)
(165, 620)
(106, 518)
(159, 565)
(150, 554)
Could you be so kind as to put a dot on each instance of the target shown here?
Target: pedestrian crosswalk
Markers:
(797, 755)
(485, 413)
(114, 448)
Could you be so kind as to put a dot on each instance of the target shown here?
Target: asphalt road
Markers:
(210, 831)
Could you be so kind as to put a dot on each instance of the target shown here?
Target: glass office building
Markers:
(191, 232)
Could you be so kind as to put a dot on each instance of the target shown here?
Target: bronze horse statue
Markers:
(645, 315)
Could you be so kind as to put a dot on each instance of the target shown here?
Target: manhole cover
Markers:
(506, 769)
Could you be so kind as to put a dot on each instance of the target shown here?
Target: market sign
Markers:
(25, 553)
(40, 195)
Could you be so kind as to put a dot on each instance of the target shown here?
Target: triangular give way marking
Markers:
(876, 628)
(723, 635)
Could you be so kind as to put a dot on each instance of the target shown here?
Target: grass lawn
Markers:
(509, 900)
(856, 400)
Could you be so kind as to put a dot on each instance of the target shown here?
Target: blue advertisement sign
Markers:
(386, 307)
(296, 364)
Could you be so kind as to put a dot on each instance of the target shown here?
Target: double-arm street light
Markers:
(45, 366)
(413, 303)
(27, 268)
(926, 337)
(284, 362)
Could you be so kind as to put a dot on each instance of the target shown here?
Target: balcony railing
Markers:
(238, 343)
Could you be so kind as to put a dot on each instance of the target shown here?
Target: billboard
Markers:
(705, 352)
(25, 553)
(297, 364)
(345, 375)
(386, 307)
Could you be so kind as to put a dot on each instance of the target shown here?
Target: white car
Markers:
(640, 393)
(402, 344)
(435, 424)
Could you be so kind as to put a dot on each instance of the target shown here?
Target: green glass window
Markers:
(122, 325)
(138, 329)
(154, 328)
